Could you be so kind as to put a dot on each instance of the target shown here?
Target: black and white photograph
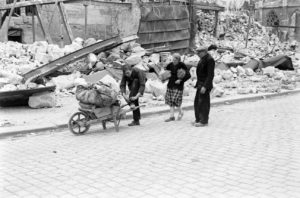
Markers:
(150, 98)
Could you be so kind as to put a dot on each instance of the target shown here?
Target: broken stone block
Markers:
(218, 92)
(227, 75)
(217, 79)
(42, 100)
(9, 87)
(155, 58)
(100, 66)
(32, 85)
(42, 58)
(192, 61)
(64, 82)
(113, 57)
(249, 72)
(22, 87)
(138, 50)
(233, 70)
(133, 59)
(79, 41)
(89, 41)
(269, 71)
(253, 90)
(256, 79)
(142, 66)
(240, 70)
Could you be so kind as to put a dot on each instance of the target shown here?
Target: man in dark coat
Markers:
(135, 79)
(205, 76)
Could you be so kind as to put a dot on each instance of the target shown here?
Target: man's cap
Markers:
(201, 49)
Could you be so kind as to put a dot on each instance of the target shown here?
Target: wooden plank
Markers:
(44, 2)
(207, 7)
(166, 12)
(163, 37)
(72, 57)
(33, 24)
(45, 30)
(65, 21)
(163, 26)
(176, 45)
(85, 20)
(31, 3)
(9, 17)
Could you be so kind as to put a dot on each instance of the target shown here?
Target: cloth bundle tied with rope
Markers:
(98, 94)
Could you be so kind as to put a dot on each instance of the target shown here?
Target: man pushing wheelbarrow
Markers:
(135, 79)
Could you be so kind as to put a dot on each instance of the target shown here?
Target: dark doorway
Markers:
(15, 34)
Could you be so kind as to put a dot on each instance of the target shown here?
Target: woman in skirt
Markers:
(179, 74)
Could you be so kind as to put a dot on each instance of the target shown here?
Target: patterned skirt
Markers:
(174, 97)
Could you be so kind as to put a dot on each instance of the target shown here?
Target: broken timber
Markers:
(45, 2)
(44, 28)
(69, 58)
(65, 21)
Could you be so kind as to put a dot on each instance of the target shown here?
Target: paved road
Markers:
(249, 150)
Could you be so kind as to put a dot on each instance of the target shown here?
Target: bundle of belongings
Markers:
(98, 94)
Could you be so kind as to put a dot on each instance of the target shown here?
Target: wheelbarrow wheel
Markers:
(78, 123)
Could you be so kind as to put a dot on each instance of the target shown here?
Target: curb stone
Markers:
(161, 111)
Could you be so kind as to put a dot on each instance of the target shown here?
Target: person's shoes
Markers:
(180, 115)
(199, 124)
(134, 123)
(170, 119)
(193, 123)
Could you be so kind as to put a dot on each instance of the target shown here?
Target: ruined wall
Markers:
(104, 21)
(288, 13)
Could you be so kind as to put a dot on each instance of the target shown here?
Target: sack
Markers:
(181, 73)
(99, 94)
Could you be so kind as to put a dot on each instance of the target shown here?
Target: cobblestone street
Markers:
(249, 149)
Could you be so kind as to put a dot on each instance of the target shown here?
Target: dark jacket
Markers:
(174, 68)
(136, 82)
(205, 72)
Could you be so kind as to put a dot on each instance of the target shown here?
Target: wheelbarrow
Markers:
(80, 122)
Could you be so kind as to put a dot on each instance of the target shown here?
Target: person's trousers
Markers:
(134, 90)
(202, 106)
(136, 113)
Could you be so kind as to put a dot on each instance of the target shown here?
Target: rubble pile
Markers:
(239, 69)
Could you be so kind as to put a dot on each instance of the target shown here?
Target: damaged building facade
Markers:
(99, 19)
(282, 16)
(162, 26)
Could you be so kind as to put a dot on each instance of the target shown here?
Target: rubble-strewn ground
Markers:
(248, 150)
(231, 76)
